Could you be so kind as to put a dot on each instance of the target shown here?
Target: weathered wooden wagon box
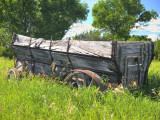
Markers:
(121, 62)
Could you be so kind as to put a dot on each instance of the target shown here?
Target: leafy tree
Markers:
(157, 49)
(41, 18)
(141, 38)
(18, 15)
(56, 16)
(95, 35)
(119, 16)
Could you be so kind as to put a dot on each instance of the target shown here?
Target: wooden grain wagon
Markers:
(84, 62)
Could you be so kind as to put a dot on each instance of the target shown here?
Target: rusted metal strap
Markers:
(32, 59)
(52, 59)
(50, 48)
(114, 47)
(113, 55)
(13, 38)
(68, 46)
(37, 44)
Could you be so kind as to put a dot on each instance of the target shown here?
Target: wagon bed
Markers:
(121, 62)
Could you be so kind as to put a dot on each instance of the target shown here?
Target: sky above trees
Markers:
(152, 30)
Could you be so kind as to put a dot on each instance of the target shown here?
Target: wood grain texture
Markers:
(93, 48)
(142, 50)
(89, 55)
(92, 63)
(41, 56)
(42, 68)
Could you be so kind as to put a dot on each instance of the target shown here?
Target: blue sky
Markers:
(152, 30)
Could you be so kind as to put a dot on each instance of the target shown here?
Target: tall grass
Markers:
(34, 98)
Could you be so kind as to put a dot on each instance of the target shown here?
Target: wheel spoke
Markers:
(91, 83)
(84, 80)
(77, 81)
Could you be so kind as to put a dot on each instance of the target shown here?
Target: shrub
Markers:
(157, 49)
(5, 43)
(141, 38)
(2, 50)
(6, 52)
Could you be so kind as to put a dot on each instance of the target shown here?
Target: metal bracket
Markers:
(32, 59)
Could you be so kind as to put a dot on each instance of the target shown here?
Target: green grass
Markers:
(37, 98)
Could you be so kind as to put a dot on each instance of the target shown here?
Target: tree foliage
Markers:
(142, 38)
(119, 16)
(41, 18)
(18, 15)
(157, 49)
(56, 16)
(93, 35)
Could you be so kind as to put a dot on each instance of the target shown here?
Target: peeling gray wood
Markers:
(41, 56)
(92, 63)
(93, 48)
(21, 50)
(42, 68)
(23, 57)
(84, 55)
(60, 59)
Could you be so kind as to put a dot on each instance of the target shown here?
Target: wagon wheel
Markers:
(84, 78)
(13, 73)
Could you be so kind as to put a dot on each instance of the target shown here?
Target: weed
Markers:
(35, 97)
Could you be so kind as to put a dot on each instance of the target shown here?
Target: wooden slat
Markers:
(42, 68)
(28, 66)
(41, 56)
(98, 48)
(21, 50)
(92, 63)
(60, 59)
(23, 57)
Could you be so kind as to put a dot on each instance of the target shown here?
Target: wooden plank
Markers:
(131, 51)
(146, 56)
(42, 68)
(92, 63)
(121, 59)
(130, 43)
(133, 76)
(23, 40)
(28, 66)
(60, 59)
(41, 56)
(85, 62)
(93, 47)
(45, 45)
(23, 57)
(21, 50)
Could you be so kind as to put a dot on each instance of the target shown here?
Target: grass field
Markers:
(37, 98)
